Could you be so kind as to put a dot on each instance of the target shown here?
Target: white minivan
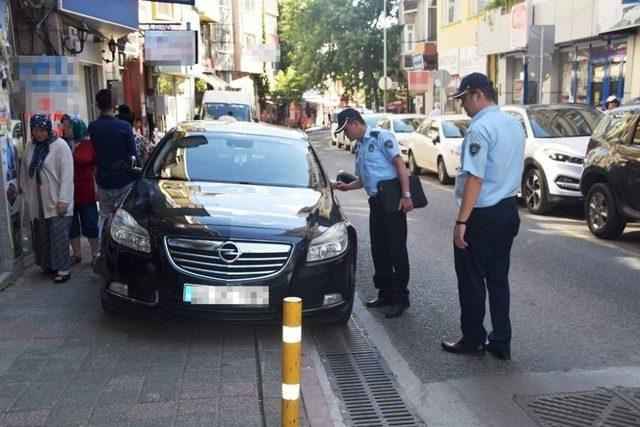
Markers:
(218, 103)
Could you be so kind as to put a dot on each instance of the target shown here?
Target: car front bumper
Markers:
(155, 289)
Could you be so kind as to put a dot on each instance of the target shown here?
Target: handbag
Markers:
(390, 192)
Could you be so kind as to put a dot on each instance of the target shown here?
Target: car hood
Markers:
(237, 205)
(575, 146)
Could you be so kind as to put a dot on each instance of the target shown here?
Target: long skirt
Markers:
(51, 242)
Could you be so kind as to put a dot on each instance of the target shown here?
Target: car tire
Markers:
(414, 169)
(602, 214)
(443, 175)
(534, 192)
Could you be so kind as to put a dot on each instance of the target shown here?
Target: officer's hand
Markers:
(405, 205)
(458, 236)
(339, 185)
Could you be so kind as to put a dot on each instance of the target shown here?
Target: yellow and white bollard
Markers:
(291, 354)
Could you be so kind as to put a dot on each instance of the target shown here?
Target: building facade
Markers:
(564, 50)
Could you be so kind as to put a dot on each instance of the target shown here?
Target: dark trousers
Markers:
(484, 265)
(388, 232)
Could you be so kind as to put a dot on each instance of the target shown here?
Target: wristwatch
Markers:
(406, 195)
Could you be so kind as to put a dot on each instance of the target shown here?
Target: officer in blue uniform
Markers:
(378, 159)
(492, 160)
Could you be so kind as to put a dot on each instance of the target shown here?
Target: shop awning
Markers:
(213, 80)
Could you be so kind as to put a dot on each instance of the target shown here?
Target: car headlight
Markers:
(127, 232)
(562, 157)
(331, 243)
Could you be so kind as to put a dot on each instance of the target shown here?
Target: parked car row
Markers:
(573, 154)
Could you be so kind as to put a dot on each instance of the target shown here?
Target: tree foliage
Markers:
(289, 86)
(338, 39)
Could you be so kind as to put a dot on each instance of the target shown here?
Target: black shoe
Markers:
(462, 348)
(379, 302)
(396, 310)
(500, 353)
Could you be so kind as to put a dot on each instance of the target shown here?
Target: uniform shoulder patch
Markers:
(370, 148)
(389, 144)
(374, 133)
(474, 148)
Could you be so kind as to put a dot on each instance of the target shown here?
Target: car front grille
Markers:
(227, 260)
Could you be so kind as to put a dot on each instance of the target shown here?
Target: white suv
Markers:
(557, 138)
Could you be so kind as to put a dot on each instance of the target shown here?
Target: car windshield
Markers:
(455, 128)
(371, 121)
(407, 125)
(213, 110)
(240, 159)
(549, 122)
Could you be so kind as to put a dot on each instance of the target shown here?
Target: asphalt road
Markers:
(575, 305)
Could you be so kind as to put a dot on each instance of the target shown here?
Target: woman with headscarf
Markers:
(85, 210)
(48, 183)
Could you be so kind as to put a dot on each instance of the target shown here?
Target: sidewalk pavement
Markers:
(64, 361)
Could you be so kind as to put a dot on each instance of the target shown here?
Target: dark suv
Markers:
(611, 177)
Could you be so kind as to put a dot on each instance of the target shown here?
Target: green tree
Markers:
(338, 39)
(289, 86)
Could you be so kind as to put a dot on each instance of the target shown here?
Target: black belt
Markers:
(508, 201)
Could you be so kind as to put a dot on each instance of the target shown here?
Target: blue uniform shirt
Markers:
(492, 149)
(374, 161)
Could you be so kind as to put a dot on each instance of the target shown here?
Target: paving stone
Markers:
(38, 396)
(24, 418)
(197, 406)
(9, 393)
(155, 410)
(109, 413)
(202, 420)
(72, 411)
(243, 389)
(200, 390)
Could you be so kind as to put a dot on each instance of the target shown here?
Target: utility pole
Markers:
(384, 67)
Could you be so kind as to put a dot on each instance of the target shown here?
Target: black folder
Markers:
(390, 192)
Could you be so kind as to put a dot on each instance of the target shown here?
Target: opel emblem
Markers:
(229, 252)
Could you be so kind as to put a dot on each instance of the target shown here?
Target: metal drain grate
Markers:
(368, 389)
(603, 407)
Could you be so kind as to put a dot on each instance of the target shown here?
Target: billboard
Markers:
(614, 15)
(162, 47)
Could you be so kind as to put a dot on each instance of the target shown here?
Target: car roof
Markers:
(451, 117)
(554, 106)
(628, 107)
(406, 116)
(240, 127)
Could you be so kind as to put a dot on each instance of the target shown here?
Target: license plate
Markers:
(227, 295)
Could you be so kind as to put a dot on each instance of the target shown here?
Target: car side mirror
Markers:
(345, 177)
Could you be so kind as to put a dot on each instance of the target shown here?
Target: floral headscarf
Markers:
(41, 149)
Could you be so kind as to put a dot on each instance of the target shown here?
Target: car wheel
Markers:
(443, 175)
(603, 218)
(535, 193)
(414, 169)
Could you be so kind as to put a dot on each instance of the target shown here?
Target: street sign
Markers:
(442, 78)
(417, 60)
(381, 84)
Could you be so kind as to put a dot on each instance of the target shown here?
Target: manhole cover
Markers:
(603, 407)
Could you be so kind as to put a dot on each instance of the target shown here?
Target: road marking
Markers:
(440, 187)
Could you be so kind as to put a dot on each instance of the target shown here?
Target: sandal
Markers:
(61, 278)
(75, 259)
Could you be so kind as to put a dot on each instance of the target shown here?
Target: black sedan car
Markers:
(225, 221)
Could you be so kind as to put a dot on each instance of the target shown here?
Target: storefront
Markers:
(591, 72)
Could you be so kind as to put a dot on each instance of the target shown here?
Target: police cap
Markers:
(470, 82)
(344, 116)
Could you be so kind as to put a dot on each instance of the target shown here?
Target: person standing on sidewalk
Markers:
(48, 183)
(113, 143)
(85, 211)
(492, 160)
(378, 159)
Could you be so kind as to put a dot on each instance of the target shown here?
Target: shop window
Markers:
(582, 72)
(566, 77)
